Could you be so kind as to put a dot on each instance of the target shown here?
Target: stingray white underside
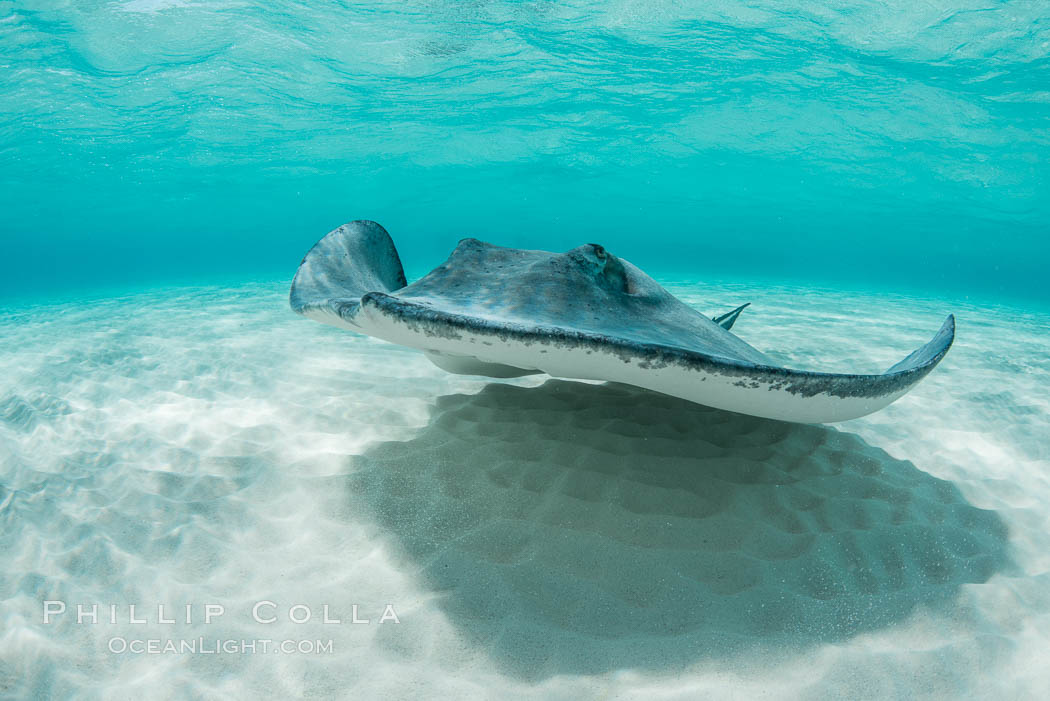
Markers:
(473, 351)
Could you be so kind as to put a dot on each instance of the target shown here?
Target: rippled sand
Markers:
(536, 538)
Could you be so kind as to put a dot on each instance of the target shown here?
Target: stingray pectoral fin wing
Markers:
(724, 383)
(926, 357)
(351, 261)
(818, 397)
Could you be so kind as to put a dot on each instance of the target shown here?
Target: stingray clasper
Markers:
(583, 314)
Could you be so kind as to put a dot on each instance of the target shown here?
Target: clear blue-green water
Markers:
(857, 144)
(172, 435)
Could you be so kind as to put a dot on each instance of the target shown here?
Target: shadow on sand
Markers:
(577, 529)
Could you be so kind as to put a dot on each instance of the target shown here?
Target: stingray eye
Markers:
(599, 251)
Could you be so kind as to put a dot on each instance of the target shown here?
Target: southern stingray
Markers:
(583, 314)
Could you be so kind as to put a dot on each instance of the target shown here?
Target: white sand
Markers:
(536, 540)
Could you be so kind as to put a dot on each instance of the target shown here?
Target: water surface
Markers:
(852, 142)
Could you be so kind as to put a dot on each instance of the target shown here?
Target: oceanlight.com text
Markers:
(217, 646)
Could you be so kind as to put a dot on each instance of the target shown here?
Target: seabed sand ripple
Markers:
(537, 538)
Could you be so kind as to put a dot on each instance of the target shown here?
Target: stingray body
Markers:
(583, 314)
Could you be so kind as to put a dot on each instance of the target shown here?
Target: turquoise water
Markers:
(854, 144)
(171, 434)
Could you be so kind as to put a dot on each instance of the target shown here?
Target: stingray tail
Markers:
(727, 320)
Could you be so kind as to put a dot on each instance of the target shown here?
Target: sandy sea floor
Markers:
(536, 538)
